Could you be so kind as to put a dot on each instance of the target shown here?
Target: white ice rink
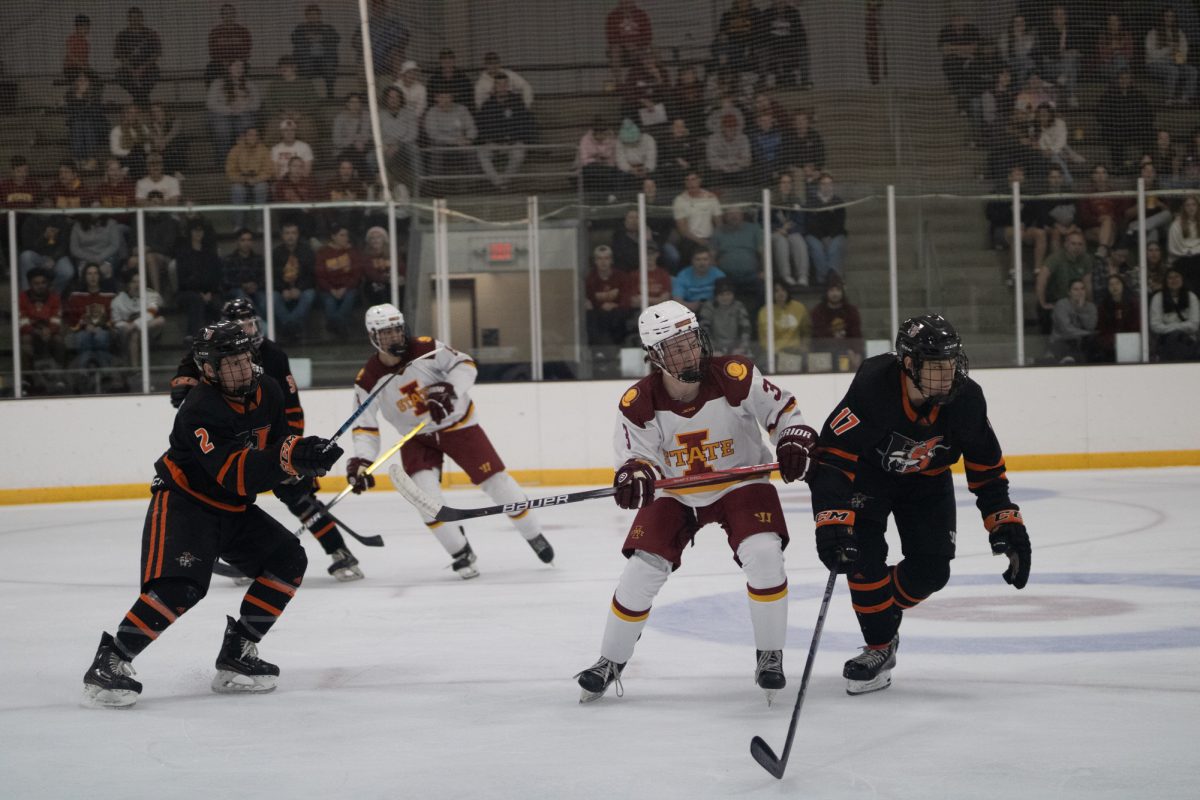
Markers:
(415, 684)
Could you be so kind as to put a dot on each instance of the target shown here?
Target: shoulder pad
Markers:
(733, 374)
(637, 403)
(370, 374)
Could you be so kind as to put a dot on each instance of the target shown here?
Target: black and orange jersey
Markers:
(274, 363)
(876, 434)
(224, 453)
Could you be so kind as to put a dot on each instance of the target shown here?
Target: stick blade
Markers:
(413, 493)
(369, 541)
(766, 757)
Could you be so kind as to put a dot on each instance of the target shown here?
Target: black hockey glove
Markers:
(439, 399)
(794, 452)
(634, 483)
(308, 456)
(836, 547)
(1012, 540)
(179, 389)
(357, 477)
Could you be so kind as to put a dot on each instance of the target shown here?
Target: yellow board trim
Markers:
(603, 476)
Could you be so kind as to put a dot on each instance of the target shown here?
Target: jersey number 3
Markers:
(844, 421)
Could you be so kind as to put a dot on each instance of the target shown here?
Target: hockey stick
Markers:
(370, 399)
(369, 541)
(760, 749)
(440, 513)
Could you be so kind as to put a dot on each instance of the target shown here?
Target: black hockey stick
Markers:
(430, 507)
(369, 541)
(370, 399)
(758, 748)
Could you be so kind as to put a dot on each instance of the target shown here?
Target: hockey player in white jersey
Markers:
(697, 414)
(435, 390)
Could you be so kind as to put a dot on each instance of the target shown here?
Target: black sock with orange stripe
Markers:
(874, 605)
(311, 511)
(264, 603)
(915, 579)
(163, 601)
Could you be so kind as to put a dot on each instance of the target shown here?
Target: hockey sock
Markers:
(643, 576)
(915, 579)
(876, 609)
(272, 590)
(450, 537)
(162, 602)
(311, 511)
(503, 489)
(766, 585)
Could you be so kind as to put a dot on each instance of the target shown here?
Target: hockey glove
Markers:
(439, 399)
(836, 547)
(179, 389)
(634, 483)
(307, 456)
(357, 477)
(794, 452)
(1012, 540)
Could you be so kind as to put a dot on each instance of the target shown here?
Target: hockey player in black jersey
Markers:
(887, 448)
(299, 495)
(230, 441)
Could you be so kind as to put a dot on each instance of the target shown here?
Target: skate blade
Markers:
(590, 697)
(346, 574)
(228, 682)
(242, 580)
(770, 693)
(876, 684)
(95, 697)
(466, 573)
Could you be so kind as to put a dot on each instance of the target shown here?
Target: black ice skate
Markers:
(239, 669)
(344, 566)
(595, 680)
(543, 549)
(107, 683)
(871, 671)
(769, 673)
(464, 563)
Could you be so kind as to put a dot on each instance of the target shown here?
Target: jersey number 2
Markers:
(206, 446)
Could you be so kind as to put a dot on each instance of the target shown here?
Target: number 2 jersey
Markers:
(720, 429)
(874, 434)
(275, 364)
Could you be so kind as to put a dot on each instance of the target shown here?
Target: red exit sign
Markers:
(500, 253)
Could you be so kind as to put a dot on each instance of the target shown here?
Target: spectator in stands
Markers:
(377, 269)
(1156, 267)
(156, 181)
(739, 246)
(296, 187)
(505, 128)
(399, 129)
(244, 273)
(787, 54)
(164, 135)
(68, 191)
(1117, 263)
(768, 155)
(409, 83)
(1168, 160)
(40, 323)
(287, 96)
(447, 124)
(793, 329)
(1126, 121)
(126, 311)
(1073, 337)
(1062, 269)
(695, 284)
(162, 237)
(199, 273)
(636, 151)
(826, 231)
(625, 247)
(294, 263)
(1054, 144)
(1100, 216)
(389, 38)
(805, 145)
(89, 320)
(959, 42)
(492, 68)
(87, 127)
(597, 159)
(696, 211)
(352, 131)
(77, 56)
(1175, 320)
(288, 148)
(606, 304)
(990, 116)
(789, 250)
(1017, 48)
(449, 78)
(687, 99)
(1167, 60)
(1158, 213)
(1114, 48)
(249, 170)
(1183, 241)
(114, 190)
(1058, 54)
(315, 48)
(136, 50)
(345, 185)
(1055, 217)
(44, 245)
(837, 326)
(658, 281)
(227, 42)
(1118, 313)
(679, 154)
(726, 321)
(661, 225)
(628, 35)
(20, 190)
(739, 35)
(129, 140)
(728, 154)
(339, 272)
(726, 106)
(645, 91)
(233, 104)
(96, 239)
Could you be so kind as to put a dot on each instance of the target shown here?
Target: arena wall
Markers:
(559, 433)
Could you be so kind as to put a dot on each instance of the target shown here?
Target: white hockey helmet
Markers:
(689, 351)
(386, 317)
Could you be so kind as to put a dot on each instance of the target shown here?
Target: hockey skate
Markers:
(464, 563)
(769, 673)
(871, 670)
(345, 566)
(107, 683)
(595, 680)
(239, 669)
(543, 549)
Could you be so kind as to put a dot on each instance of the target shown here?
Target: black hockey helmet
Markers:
(217, 342)
(931, 337)
(241, 311)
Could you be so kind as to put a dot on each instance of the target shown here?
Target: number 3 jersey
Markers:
(720, 429)
(402, 401)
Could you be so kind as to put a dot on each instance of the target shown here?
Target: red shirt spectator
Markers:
(19, 191)
(339, 265)
(628, 27)
(607, 289)
(228, 41)
(45, 308)
(68, 191)
(116, 190)
(835, 318)
(78, 55)
(296, 186)
(90, 305)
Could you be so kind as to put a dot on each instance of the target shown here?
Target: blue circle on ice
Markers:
(722, 618)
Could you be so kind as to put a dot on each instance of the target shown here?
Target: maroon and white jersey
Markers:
(720, 429)
(402, 401)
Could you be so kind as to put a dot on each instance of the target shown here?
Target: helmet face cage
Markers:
(683, 356)
(392, 348)
(215, 346)
(927, 339)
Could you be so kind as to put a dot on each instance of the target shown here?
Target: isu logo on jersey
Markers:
(696, 453)
(905, 456)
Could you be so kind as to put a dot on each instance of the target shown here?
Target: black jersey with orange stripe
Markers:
(275, 363)
(224, 453)
(875, 434)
